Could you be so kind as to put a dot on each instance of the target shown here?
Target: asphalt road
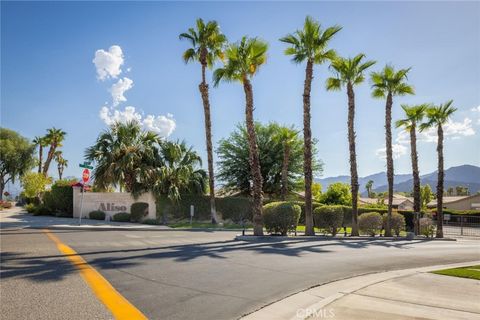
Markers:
(204, 275)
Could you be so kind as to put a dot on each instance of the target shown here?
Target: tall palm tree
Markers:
(369, 187)
(287, 137)
(309, 44)
(387, 84)
(55, 138)
(61, 163)
(438, 116)
(348, 73)
(41, 142)
(413, 116)
(244, 58)
(125, 156)
(207, 44)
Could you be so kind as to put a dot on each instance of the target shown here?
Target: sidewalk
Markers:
(403, 294)
(16, 217)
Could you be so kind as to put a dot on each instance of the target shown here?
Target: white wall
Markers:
(110, 203)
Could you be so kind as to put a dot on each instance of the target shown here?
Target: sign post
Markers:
(85, 179)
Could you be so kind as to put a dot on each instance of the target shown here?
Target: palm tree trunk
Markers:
(40, 158)
(60, 172)
(254, 160)
(286, 159)
(389, 151)
(417, 205)
(307, 149)
(208, 137)
(353, 158)
(440, 182)
(51, 152)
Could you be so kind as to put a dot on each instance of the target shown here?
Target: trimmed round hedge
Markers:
(121, 217)
(370, 223)
(397, 222)
(329, 218)
(97, 215)
(281, 217)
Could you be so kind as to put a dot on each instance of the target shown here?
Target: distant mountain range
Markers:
(464, 175)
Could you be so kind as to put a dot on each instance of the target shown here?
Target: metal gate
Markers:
(461, 225)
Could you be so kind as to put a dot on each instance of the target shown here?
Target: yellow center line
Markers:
(120, 307)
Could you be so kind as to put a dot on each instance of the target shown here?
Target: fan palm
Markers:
(61, 163)
(287, 137)
(41, 142)
(125, 156)
(207, 43)
(180, 171)
(348, 73)
(438, 116)
(54, 138)
(387, 84)
(413, 116)
(309, 44)
(243, 61)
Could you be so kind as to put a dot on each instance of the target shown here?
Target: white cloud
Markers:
(476, 112)
(162, 125)
(108, 63)
(110, 116)
(118, 90)
(451, 130)
(397, 149)
(403, 137)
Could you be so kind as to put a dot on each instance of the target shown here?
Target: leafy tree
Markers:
(337, 193)
(450, 191)
(233, 165)
(462, 191)
(207, 43)
(426, 195)
(243, 61)
(54, 138)
(369, 187)
(437, 117)
(16, 157)
(125, 156)
(34, 184)
(316, 191)
(414, 115)
(309, 44)
(387, 84)
(348, 73)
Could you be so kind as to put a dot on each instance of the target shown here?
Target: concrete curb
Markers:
(287, 238)
(318, 297)
(122, 228)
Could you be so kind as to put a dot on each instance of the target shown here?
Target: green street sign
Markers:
(85, 165)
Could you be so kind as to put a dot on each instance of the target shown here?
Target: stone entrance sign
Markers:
(110, 203)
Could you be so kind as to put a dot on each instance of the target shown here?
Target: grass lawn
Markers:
(471, 272)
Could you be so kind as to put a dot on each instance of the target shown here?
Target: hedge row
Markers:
(59, 200)
(229, 208)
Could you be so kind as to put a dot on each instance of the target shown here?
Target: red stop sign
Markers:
(86, 175)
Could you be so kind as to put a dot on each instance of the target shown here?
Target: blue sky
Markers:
(49, 79)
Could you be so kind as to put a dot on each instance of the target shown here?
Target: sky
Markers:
(79, 66)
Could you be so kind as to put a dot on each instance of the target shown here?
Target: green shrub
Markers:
(397, 222)
(42, 210)
(97, 215)
(30, 208)
(370, 223)
(427, 227)
(461, 212)
(150, 221)
(121, 217)
(329, 218)
(60, 198)
(301, 204)
(281, 217)
(138, 211)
